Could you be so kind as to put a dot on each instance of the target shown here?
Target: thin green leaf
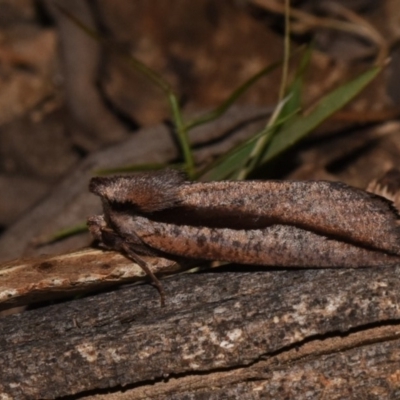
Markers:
(229, 165)
(288, 109)
(300, 126)
(260, 144)
(221, 109)
(182, 134)
(226, 166)
(295, 89)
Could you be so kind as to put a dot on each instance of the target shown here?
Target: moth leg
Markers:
(156, 282)
(110, 240)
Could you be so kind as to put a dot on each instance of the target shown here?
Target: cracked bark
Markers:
(224, 334)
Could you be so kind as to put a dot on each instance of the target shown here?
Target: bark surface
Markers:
(230, 333)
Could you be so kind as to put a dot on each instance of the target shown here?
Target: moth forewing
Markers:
(277, 245)
(329, 208)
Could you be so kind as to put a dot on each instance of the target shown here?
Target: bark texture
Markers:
(245, 334)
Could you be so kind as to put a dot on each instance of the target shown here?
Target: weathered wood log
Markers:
(300, 334)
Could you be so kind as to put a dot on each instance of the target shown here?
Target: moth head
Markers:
(145, 192)
(95, 225)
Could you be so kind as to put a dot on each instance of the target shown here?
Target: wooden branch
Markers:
(37, 279)
(262, 334)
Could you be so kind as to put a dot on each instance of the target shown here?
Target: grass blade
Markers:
(300, 126)
(221, 109)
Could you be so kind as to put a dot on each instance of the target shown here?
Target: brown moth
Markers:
(271, 223)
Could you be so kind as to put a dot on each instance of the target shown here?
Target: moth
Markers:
(269, 223)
